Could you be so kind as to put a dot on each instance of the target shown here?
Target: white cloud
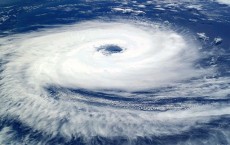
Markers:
(227, 2)
(67, 56)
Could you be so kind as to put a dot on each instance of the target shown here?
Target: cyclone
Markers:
(82, 56)
(109, 79)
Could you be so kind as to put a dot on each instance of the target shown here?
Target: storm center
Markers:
(110, 49)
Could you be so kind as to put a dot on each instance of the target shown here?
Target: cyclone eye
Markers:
(110, 49)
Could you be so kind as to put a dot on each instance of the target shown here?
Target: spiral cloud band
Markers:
(89, 79)
(78, 59)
